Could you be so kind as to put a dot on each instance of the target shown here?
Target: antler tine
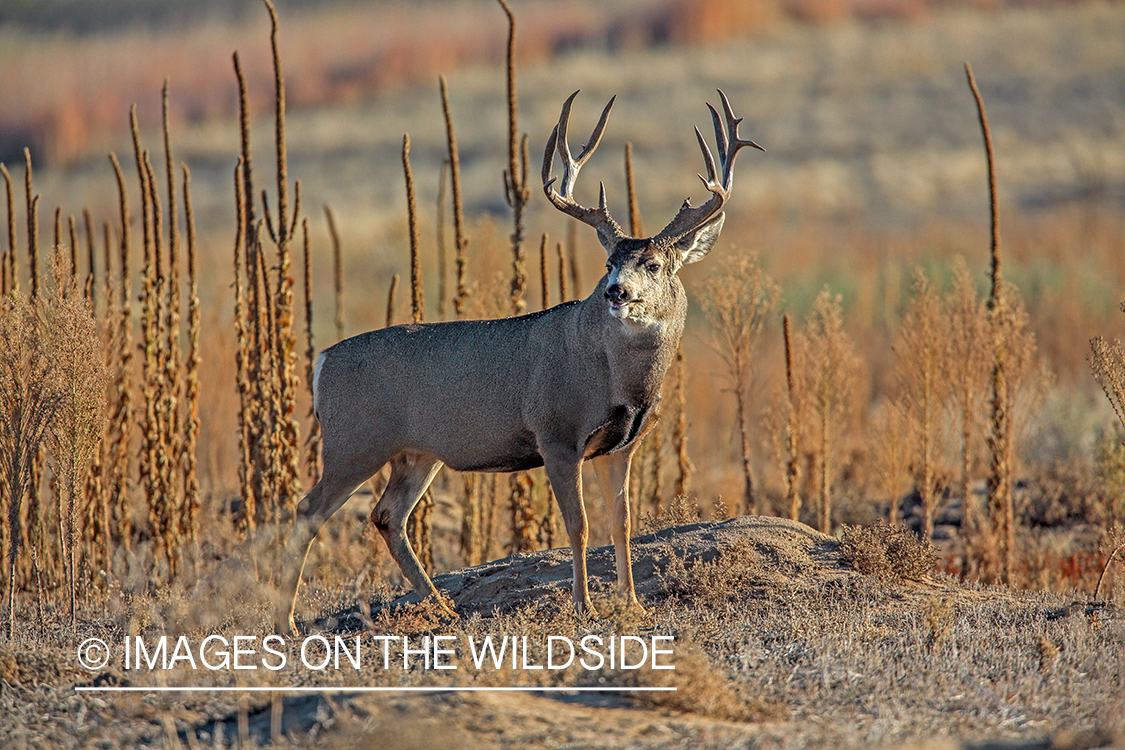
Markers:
(718, 182)
(548, 157)
(735, 143)
(720, 136)
(708, 160)
(563, 200)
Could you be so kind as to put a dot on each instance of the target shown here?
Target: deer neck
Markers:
(637, 353)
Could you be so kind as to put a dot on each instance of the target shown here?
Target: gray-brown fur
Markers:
(578, 381)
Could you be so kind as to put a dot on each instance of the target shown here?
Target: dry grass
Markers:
(762, 654)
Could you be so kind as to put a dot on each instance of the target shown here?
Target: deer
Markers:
(580, 381)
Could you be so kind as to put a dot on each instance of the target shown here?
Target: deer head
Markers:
(641, 271)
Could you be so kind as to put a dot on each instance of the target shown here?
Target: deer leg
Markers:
(612, 471)
(565, 476)
(411, 474)
(325, 498)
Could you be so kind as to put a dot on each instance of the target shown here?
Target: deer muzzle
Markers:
(619, 299)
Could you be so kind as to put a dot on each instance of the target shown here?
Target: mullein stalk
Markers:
(420, 525)
(312, 442)
(189, 519)
(460, 241)
(1000, 436)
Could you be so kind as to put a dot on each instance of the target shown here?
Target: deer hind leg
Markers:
(336, 485)
(612, 471)
(411, 474)
(565, 475)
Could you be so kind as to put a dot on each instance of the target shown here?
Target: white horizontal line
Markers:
(365, 689)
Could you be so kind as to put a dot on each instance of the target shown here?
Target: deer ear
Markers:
(696, 244)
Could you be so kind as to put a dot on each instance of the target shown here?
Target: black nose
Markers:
(616, 293)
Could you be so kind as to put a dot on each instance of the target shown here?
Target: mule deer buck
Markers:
(578, 381)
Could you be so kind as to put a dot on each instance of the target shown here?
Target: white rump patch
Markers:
(316, 383)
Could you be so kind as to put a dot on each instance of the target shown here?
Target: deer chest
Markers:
(624, 424)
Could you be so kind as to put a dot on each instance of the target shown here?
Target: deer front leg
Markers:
(612, 471)
(565, 475)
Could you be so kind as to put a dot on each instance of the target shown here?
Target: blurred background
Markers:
(874, 161)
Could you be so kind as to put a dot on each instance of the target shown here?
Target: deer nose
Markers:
(616, 293)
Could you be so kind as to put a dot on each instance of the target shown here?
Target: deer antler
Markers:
(689, 219)
(608, 229)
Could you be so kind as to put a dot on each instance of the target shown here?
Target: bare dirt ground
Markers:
(778, 642)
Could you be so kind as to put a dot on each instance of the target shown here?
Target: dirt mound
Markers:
(764, 552)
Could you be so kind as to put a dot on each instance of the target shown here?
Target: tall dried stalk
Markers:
(189, 516)
(88, 286)
(421, 522)
(312, 442)
(337, 271)
(417, 295)
(549, 525)
(30, 396)
(151, 443)
(524, 523)
(267, 447)
(1001, 514)
(72, 233)
(391, 293)
(683, 483)
(32, 225)
(544, 275)
(442, 260)
(165, 500)
(636, 227)
(95, 514)
(515, 176)
(180, 518)
(12, 269)
(460, 242)
(793, 413)
(254, 354)
(737, 303)
(242, 364)
(286, 383)
(563, 296)
(471, 508)
(572, 255)
(108, 281)
(121, 410)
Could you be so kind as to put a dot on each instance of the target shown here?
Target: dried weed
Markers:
(888, 552)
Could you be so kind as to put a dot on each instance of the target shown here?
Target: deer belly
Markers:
(518, 453)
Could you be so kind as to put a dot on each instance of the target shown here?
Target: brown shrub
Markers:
(887, 552)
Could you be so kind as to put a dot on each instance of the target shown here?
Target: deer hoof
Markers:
(585, 609)
(286, 625)
(634, 607)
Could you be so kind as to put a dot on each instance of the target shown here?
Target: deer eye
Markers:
(653, 267)
(609, 268)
